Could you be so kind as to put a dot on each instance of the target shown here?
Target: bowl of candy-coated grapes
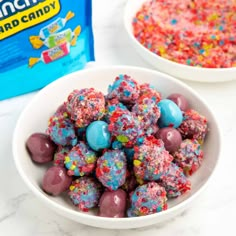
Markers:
(194, 40)
(117, 147)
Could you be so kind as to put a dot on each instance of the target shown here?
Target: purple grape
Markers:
(113, 204)
(40, 148)
(171, 138)
(56, 181)
(61, 108)
(179, 100)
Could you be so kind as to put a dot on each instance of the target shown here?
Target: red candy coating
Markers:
(59, 156)
(194, 126)
(151, 160)
(175, 182)
(189, 156)
(85, 105)
(148, 90)
(125, 89)
(195, 33)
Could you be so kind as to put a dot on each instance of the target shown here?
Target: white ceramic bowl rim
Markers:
(92, 217)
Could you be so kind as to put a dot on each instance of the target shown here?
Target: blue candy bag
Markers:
(42, 40)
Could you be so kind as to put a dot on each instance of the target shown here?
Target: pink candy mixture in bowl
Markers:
(190, 40)
(165, 174)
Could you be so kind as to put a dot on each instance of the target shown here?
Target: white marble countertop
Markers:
(214, 213)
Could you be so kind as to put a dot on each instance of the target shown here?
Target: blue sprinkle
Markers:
(213, 36)
(112, 108)
(221, 28)
(81, 98)
(173, 21)
(76, 172)
(199, 16)
(221, 43)
(201, 51)
(127, 93)
(140, 141)
(146, 17)
(121, 76)
(197, 151)
(116, 145)
(131, 83)
(110, 89)
(196, 45)
(149, 45)
(159, 208)
(116, 84)
(188, 61)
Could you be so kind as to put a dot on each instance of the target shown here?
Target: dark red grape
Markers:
(56, 181)
(40, 148)
(179, 100)
(113, 204)
(171, 138)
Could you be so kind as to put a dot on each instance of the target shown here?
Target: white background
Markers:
(21, 214)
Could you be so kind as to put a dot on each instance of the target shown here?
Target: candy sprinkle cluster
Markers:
(114, 153)
(192, 32)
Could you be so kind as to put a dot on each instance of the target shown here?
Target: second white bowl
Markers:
(177, 70)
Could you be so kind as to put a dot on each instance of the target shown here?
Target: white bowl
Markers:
(177, 70)
(35, 118)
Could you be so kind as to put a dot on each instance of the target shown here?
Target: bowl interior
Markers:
(35, 118)
(177, 70)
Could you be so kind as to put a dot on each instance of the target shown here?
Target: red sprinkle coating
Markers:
(85, 106)
(192, 32)
(175, 182)
(189, 156)
(194, 126)
(125, 89)
(151, 160)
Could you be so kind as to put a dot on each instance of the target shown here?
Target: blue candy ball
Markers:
(171, 115)
(98, 136)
